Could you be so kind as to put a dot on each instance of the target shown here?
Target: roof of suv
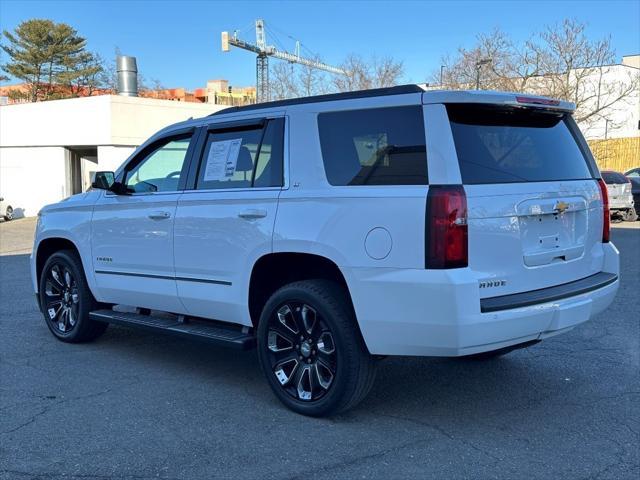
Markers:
(431, 96)
(330, 97)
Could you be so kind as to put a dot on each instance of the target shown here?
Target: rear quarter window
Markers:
(378, 146)
(504, 145)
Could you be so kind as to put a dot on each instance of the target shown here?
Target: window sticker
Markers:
(222, 160)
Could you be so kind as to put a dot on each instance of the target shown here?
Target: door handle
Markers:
(159, 215)
(252, 214)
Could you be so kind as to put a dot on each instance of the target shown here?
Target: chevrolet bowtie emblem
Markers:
(561, 207)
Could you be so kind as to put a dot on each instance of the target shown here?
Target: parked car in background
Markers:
(634, 176)
(6, 210)
(621, 202)
(634, 172)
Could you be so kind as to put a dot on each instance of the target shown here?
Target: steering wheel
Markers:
(173, 174)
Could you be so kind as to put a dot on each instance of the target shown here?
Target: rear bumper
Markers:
(437, 313)
(546, 295)
(621, 203)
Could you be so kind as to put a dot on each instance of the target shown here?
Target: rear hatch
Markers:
(534, 208)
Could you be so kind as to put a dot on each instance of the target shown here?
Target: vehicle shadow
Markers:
(445, 391)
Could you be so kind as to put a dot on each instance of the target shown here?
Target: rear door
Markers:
(534, 207)
(224, 222)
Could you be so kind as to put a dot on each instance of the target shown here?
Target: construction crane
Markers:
(265, 51)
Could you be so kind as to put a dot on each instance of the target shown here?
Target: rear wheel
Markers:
(311, 351)
(617, 216)
(630, 215)
(66, 300)
(8, 214)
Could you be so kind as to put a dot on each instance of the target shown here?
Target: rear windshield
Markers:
(504, 145)
(614, 178)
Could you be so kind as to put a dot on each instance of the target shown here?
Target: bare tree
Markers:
(559, 62)
(581, 71)
(358, 74)
(386, 72)
(362, 75)
(313, 81)
(283, 81)
(289, 80)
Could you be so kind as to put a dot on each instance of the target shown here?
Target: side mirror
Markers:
(103, 180)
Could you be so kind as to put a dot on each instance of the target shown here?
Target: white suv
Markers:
(331, 231)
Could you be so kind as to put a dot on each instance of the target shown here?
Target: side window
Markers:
(380, 146)
(269, 170)
(243, 158)
(160, 170)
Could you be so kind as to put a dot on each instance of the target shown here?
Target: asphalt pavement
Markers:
(135, 405)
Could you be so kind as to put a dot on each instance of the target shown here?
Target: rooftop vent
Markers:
(127, 76)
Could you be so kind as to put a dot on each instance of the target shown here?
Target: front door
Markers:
(225, 223)
(132, 239)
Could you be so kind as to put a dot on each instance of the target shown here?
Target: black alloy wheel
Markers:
(66, 301)
(302, 351)
(311, 350)
(61, 298)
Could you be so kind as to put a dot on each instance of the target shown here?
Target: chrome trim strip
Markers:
(163, 277)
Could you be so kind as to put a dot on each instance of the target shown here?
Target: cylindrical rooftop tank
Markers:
(127, 76)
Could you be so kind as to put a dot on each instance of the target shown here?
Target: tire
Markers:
(630, 215)
(316, 362)
(8, 214)
(616, 216)
(66, 300)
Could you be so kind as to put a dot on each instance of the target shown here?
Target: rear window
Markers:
(614, 178)
(378, 146)
(505, 145)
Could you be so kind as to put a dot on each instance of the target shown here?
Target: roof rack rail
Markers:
(374, 92)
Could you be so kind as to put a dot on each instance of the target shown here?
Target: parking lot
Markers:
(134, 405)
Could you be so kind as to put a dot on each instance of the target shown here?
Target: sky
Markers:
(178, 42)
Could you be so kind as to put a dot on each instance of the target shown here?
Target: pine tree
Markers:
(51, 59)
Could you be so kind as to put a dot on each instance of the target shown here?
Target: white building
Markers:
(619, 118)
(48, 150)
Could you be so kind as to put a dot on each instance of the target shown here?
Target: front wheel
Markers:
(8, 214)
(66, 300)
(311, 351)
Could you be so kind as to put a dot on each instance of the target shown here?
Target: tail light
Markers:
(446, 238)
(606, 225)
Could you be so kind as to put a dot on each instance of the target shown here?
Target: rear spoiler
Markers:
(521, 100)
